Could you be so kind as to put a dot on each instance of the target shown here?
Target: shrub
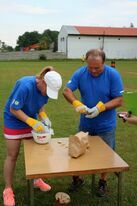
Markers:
(42, 57)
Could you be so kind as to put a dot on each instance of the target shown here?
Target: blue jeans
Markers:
(109, 136)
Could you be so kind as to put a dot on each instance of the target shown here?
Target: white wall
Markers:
(30, 55)
(114, 47)
(62, 38)
(79, 45)
(120, 48)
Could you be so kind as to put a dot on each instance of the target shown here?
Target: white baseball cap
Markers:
(54, 83)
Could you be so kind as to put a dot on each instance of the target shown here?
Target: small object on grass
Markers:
(62, 199)
(59, 142)
(113, 64)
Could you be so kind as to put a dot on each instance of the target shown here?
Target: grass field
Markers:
(65, 121)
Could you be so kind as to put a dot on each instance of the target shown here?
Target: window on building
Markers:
(62, 39)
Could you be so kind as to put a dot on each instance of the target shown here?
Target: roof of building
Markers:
(106, 31)
(71, 29)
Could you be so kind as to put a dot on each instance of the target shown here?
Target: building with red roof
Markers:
(118, 43)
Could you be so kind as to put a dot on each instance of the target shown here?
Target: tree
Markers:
(131, 25)
(0, 44)
(17, 48)
(28, 38)
(5, 48)
(9, 48)
(55, 48)
(50, 36)
(45, 40)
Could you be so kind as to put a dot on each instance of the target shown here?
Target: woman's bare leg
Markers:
(13, 147)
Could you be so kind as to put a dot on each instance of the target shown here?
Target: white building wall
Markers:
(62, 40)
(79, 45)
(120, 47)
(114, 47)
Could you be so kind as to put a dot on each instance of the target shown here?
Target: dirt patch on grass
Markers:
(134, 73)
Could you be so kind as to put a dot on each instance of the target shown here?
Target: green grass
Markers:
(131, 102)
(65, 122)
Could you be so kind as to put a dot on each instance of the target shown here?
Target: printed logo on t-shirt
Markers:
(15, 102)
(69, 81)
(121, 91)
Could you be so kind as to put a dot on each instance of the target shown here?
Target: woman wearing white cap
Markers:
(26, 101)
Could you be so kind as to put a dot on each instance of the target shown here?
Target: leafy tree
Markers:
(50, 36)
(17, 48)
(131, 25)
(55, 48)
(5, 48)
(45, 40)
(9, 48)
(28, 38)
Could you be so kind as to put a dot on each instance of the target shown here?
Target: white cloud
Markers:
(132, 4)
(17, 8)
(28, 9)
(110, 13)
(18, 16)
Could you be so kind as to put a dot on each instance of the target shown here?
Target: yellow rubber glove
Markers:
(35, 124)
(44, 118)
(101, 107)
(79, 107)
(94, 111)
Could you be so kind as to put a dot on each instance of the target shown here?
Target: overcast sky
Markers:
(19, 16)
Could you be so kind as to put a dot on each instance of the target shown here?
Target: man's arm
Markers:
(114, 103)
(71, 98)
(69, 95)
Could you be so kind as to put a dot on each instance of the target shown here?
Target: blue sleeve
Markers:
(73, 83)
(116, 84)
(19, 98)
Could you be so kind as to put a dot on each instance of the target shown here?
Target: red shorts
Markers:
(14, 134)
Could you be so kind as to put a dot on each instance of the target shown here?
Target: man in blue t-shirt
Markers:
(101, 89)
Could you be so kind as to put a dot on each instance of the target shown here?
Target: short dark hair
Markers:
(95, 53)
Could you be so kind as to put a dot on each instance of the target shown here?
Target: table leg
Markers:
(93, 184)
(30, 193)
(119, 200)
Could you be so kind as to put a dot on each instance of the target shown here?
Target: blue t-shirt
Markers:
(26, 97)
(105, 87)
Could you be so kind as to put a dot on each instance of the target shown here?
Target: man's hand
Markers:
(44, 118)
(95, 111)
(35, 124)
(80, 107)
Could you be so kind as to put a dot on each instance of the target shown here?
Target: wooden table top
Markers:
(50, 160)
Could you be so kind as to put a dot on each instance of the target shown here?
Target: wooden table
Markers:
(52, 160)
